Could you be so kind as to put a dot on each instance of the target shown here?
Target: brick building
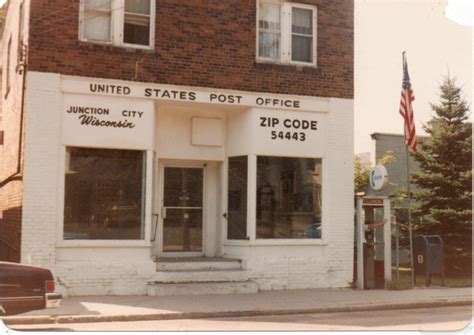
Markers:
(166, 147)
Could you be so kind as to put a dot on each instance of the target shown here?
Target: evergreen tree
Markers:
(444, 199)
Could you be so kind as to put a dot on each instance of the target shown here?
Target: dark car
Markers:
(25, 288)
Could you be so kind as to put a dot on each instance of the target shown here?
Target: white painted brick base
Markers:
(295, 273)
(83, 278)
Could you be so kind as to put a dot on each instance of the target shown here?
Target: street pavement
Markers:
(265, 303)
(446, 319)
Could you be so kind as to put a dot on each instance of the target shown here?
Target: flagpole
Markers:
(397, 246)
(409, 200)
(409, 218)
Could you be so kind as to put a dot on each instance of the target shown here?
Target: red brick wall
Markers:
(11, 196)
(11, 152)
(198, 43)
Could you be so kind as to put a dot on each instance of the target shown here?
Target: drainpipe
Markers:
(21, 69)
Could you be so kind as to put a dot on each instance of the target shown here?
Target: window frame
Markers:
(227, 198)
(82, 10)
(252, 207)
(259, 239)
(286, 9)
(146, 190)
(267, 59)
(117, 25)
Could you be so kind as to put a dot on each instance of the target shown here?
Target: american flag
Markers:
(406, 108)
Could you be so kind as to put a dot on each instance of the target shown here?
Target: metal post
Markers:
(360, 238)
(387, 240)
(397, 247)
(409, 218)
(409, 196)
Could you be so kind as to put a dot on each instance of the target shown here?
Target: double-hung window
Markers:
(286, 32)
(128, 23)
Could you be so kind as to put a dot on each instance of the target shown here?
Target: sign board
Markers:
(108, 122)
(378, 177)
(295, 134)
(372, 202)
(102, 87)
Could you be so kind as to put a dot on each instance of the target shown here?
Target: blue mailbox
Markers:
(428, 257)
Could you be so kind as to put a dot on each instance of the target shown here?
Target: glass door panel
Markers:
(182, 230)
(182, 211)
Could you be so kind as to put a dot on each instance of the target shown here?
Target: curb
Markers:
(65, 319)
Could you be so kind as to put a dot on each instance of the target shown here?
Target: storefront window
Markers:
(288, 197)
(104, 194)
(237, 198)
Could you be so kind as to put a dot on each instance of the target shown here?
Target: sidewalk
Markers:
(135, 308)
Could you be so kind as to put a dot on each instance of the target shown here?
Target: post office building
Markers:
(179, 147)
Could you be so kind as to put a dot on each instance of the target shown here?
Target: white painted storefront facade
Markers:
(183, 127)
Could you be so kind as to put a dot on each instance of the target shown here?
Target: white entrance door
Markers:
(182, 196)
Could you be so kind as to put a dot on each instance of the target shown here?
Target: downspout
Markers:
(22, 70)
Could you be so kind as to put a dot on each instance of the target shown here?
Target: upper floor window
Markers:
(286, 32)
(119, 22)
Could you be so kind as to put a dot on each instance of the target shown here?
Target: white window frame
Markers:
(144, 242)
(286, 9)
(117, 26)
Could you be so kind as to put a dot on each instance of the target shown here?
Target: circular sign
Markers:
(378, 177)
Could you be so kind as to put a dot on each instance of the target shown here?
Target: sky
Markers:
(437, 36)
(434, 45)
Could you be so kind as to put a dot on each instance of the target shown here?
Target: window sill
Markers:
(276, 242)
(129, 47)
(291, 64)
(104, 244)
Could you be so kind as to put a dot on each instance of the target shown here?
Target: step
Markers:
(205, 288)
(197, 263)
(194, 276)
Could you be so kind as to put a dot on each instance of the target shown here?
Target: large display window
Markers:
(104, 195)
(288, 198)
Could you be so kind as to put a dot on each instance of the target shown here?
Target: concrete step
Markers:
(197, 263)
(197, 276)
(168, 289)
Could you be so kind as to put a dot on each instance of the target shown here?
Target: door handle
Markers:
(163, 212)
(153, 238)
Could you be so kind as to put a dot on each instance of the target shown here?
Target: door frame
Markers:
(162, 164)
